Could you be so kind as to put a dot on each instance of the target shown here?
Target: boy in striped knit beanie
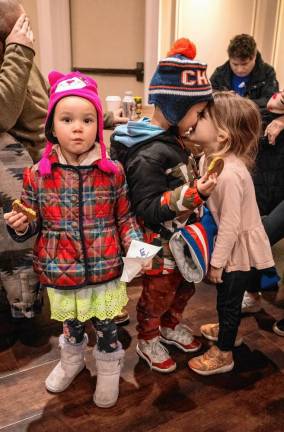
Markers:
(165, 195)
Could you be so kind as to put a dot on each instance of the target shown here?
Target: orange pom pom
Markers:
(183, 46)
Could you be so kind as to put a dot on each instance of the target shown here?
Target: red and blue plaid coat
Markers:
(83, 222)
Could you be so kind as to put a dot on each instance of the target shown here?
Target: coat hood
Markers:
(135, 132)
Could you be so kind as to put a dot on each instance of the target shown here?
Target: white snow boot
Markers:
(71, 364)
(108, 367)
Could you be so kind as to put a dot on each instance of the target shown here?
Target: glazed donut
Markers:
(18, 207)
(216, 166)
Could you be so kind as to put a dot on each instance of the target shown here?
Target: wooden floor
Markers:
(248, 399)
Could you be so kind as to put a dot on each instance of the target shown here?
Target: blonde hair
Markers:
(238, 120)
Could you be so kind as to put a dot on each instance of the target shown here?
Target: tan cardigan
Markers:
(23, 98)
(241, 241)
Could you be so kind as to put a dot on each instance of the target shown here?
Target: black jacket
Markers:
(268, 175)
(152, 167)
(261, 86)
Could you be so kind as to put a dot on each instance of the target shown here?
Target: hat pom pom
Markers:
(183, 46)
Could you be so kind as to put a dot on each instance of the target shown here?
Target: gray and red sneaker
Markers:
(181, 336)
(156, 355)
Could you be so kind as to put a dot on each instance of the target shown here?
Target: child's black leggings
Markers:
(230, 295)
(107, 339)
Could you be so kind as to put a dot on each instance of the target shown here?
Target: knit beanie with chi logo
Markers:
(73, 84)
(179, 82)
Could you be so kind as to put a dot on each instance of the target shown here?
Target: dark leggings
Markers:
(229, 303)
(107, 339)
(231, 291)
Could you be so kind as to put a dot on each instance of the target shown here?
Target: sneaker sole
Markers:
(140, 353)
(277, 331)
(223, 369)
(238, 342)
(62, 389)
(171, 342)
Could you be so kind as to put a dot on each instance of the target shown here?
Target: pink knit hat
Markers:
(73, 84)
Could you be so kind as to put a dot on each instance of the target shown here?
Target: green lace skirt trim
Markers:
(103, 301)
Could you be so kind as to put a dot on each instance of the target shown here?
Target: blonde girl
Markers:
(230, 127)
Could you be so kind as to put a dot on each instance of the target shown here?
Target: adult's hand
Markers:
(118, 117)
(21, 33)
(273, 129)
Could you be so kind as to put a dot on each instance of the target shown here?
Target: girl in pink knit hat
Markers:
(82, 218)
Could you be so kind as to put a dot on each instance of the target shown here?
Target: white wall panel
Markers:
(212, 23)
(279, 46)
(109, 34)
(265, 27)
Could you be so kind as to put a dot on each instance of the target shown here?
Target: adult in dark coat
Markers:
(246, 73)
(274, 212)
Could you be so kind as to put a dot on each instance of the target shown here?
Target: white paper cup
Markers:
(113, 103)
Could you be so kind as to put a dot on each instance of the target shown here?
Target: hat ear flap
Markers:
(54, 76)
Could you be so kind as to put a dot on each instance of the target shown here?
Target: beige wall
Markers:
(265, 28)
(151, 45)
(55, 39)
(51, 27)
(109, 34)
(166, 26)
(123, 40)
(212, 23)
(31, 9)
(279, 46)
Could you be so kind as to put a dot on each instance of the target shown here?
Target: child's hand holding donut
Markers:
(20, 217)
(206, 184)
(17, 221)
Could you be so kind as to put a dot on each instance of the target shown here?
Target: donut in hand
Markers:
(18, 207)
(216, 166)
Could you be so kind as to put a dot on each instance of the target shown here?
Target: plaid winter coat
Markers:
(83, 217)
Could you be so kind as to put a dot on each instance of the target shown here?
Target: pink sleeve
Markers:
(230, 193)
